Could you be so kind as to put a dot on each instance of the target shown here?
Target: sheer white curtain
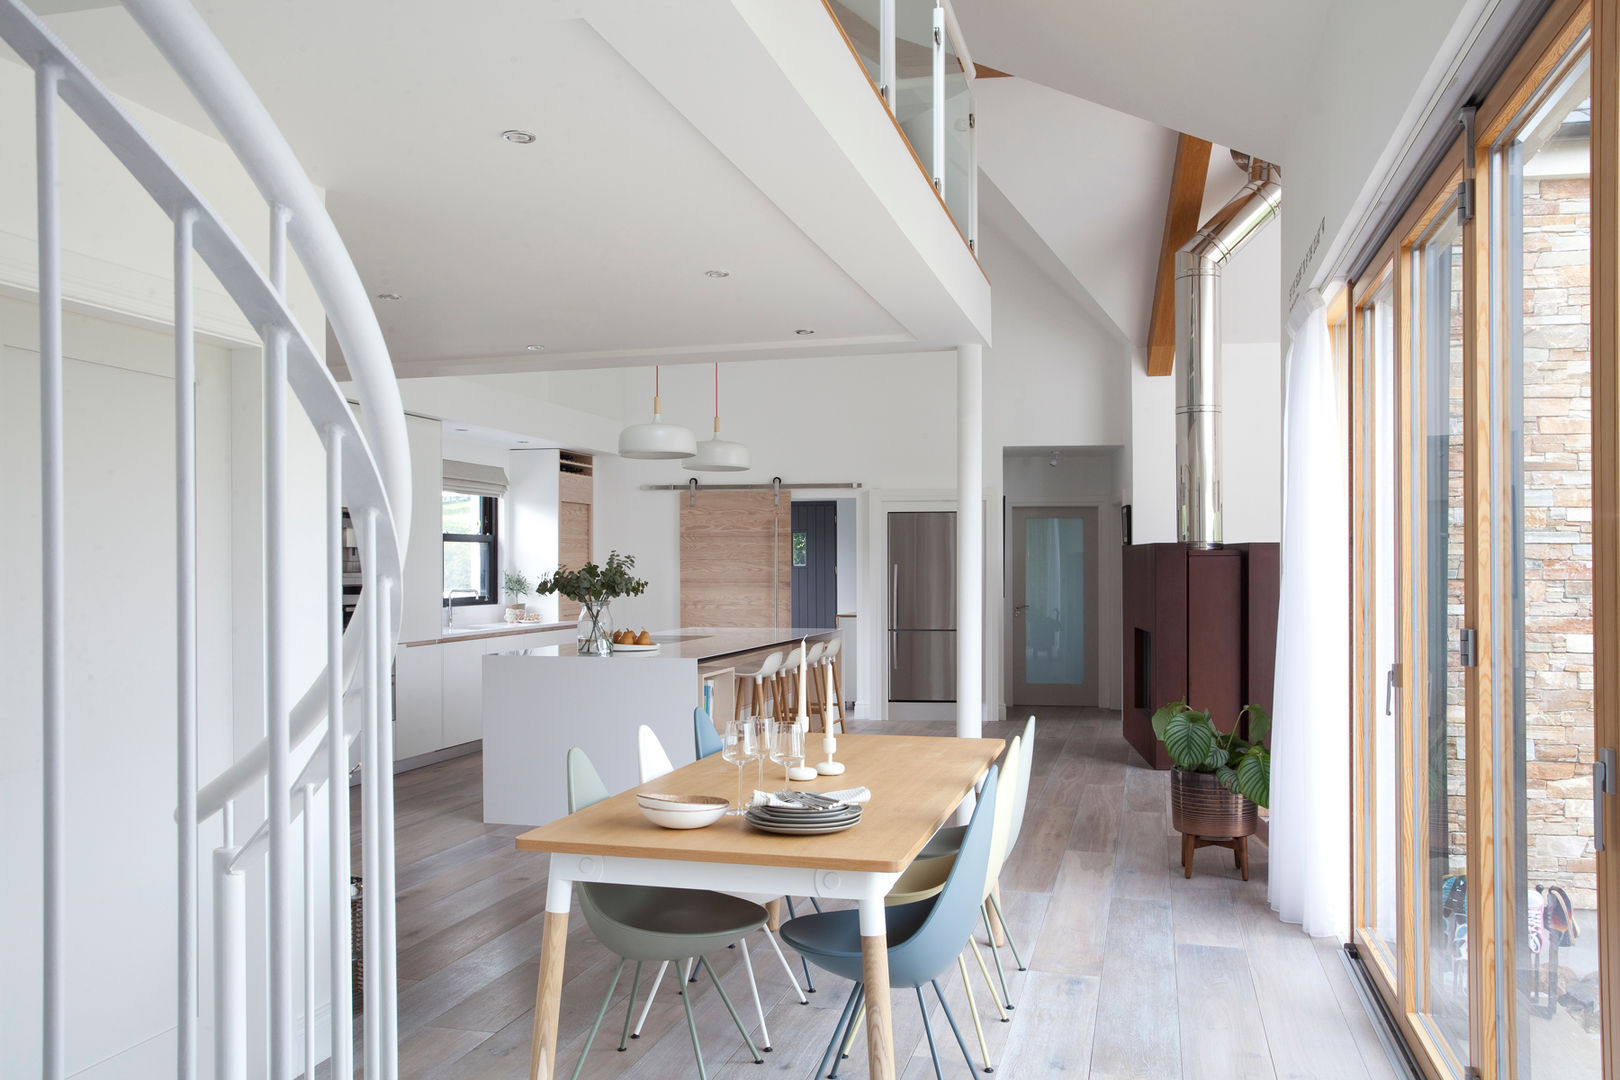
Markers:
(1310, 784)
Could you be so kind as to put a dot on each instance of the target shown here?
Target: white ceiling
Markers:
(1093, 183)
(1224, 71)
(594, 238)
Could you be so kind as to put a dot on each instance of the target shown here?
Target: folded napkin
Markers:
(847, 797)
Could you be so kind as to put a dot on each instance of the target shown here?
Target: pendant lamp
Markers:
(656, 441)
(717, 455)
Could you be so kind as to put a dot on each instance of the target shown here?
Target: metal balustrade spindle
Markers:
(53, 582)
(387, 955)
(277, 718)
(337, 768)
(185, 571)
(370, 792)
(309, 931)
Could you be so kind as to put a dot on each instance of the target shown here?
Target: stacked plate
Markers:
(803, 820)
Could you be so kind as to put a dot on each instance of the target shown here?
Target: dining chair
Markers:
(705, 739)
(923, 938)
(645, 923)
(654, 762)
(918, 882)
(949, 838)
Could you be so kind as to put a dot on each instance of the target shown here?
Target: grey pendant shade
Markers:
(657, 441)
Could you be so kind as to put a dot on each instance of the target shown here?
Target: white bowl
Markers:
(686, 815)
(655, 800)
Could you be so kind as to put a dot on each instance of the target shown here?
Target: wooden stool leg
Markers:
(838, 690)
(737, 702)
(1187, 841)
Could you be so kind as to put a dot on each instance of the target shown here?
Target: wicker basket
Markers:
(357, 939)
(1200, 806)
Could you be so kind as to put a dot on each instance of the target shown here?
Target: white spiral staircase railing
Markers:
(367, 471)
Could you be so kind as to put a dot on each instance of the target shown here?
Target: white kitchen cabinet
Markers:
(463, 690)
(418, 701)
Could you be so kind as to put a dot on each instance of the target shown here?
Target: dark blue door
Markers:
(815, 563)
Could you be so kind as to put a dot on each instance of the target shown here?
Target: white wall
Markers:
(120, 706)
(1366, 88)
(532, 523)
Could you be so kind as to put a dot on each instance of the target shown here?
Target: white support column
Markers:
(969, 540)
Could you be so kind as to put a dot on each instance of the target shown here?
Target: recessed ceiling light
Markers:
(535, 348)
(388, 296)
(461, 429)
(523, 442)
(520, 137)
(804, 333)
(717, 273)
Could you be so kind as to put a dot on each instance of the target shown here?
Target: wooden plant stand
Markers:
(1238, 845)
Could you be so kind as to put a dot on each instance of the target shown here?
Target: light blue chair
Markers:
(646, 923)
(925, 938)
(705, 739)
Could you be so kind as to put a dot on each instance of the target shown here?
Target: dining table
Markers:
(917, 782)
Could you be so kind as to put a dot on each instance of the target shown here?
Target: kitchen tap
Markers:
(450, 606)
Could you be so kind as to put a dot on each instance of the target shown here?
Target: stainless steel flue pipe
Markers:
(1198, 350)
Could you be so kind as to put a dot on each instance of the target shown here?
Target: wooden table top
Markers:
(916, 782)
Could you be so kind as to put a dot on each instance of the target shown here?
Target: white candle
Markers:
(802, 711)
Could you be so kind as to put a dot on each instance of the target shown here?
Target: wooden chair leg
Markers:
(1187, 841)
(737, 702)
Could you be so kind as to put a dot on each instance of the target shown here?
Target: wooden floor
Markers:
(1133, 971)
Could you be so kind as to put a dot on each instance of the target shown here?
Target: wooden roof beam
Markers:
(1180, 222)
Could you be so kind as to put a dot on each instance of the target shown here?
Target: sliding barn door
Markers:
(735, 566)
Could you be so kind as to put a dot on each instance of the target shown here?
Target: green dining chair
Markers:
(654, 924)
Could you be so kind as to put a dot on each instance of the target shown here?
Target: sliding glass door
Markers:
(1480, 392)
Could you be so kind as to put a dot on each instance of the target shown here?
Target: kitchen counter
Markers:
(538, 702)
(489, 630)
(701, 643)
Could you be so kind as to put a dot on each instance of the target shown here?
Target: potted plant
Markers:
(516, 587)
(594, 588)
(1220, 779)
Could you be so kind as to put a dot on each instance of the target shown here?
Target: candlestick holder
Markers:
(829, 767)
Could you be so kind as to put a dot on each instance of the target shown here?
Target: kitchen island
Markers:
(540, 701)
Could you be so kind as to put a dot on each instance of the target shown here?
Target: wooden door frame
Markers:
(1494, 912)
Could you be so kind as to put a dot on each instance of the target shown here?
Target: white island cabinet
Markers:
(540, 702)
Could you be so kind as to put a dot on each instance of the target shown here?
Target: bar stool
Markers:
(815, 696)
(755, 682)
(833, 689)
(787, 685)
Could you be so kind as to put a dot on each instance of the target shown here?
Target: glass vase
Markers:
(595, 628)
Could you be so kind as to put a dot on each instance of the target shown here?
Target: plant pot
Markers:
(595, 628)
(515, 612)
(1200, 806)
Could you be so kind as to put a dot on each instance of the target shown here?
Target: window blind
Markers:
(471, 479)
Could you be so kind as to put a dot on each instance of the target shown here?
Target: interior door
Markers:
(1052, 583)
(815, 563)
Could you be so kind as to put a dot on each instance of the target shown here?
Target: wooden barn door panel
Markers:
(728, 574)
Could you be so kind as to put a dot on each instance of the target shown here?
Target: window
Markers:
(470, 554)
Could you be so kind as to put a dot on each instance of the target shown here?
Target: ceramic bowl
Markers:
(682, 811)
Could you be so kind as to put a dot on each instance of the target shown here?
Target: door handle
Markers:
(894, 591)
(1019, 609)
(894, 650)
(1389, 690)
(1604, 782)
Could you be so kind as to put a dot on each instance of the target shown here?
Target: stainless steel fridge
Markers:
(922, 606)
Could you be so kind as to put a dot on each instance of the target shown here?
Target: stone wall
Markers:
(1557, 462)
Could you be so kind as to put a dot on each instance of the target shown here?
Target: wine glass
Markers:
(787, 746)
(739, 747)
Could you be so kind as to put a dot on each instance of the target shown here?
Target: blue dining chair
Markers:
(705, 738)
(647, 923)
(924, 938)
